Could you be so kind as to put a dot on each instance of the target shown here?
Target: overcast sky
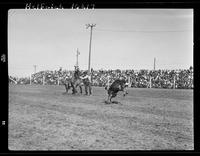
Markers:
(122, 39)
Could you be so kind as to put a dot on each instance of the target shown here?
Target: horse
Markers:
(72, 83)
(77, 83)
(116, 86)
(67, 84)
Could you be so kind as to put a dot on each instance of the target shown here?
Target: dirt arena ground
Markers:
(43, 118)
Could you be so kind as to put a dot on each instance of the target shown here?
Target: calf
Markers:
(116, 86)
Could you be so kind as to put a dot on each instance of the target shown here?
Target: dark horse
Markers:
(73, 83)
(77, 81)
(116, 86)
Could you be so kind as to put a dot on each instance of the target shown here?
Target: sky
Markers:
(121, 39)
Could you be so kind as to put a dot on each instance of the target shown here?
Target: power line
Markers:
(21, 68)
(143, 31)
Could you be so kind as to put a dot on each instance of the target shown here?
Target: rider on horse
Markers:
(77, 72)
(76, 81)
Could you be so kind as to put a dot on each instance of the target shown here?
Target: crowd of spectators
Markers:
(182, 78)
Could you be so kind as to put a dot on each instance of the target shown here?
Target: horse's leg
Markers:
(66, 87)
(73, 89)
(108, 99)
(80, 89)
(112, 96)
(86, 89)
(125, 92)
(111, 99)
(90, 89)
(109, 96)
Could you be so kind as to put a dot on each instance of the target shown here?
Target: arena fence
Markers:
(138, 79)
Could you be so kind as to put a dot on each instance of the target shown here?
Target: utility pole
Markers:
(77, 53)
(154, 64)
(91, 28)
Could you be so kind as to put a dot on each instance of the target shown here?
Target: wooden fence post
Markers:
(150, 82)
(30, 78)
(58, 80)
(108, 83)
(174, 82)
(129, 81)
(43, 80)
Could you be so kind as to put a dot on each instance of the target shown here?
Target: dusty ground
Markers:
(43, 118)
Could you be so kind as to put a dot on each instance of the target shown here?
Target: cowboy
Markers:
(87, 82)
(86, 76)
(76, 72)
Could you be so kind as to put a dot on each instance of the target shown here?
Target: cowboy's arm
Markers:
(83, 77)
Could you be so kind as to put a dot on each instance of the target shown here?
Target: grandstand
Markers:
(179, 79)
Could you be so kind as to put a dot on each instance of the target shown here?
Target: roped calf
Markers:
(116, 86)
